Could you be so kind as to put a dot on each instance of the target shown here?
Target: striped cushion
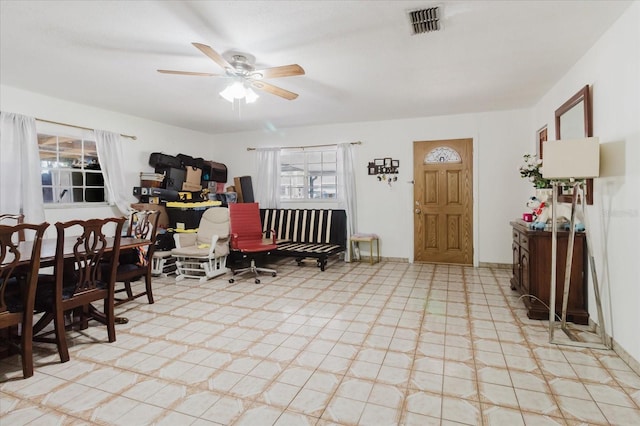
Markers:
(309, 248)
(320, 226)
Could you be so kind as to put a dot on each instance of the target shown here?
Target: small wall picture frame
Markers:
(372, 169)
(387, 162)
(395, 163)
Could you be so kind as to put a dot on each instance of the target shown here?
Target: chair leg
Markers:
(127, 287)
(83, 314)
(26, 345)
(109, 313)
(147, 283)
(256, 271)
(61, 335)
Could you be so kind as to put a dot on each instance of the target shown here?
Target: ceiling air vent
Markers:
(425, 20)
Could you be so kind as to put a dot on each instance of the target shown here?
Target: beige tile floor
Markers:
(384, 344)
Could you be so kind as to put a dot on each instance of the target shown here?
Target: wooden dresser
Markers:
(532, 272)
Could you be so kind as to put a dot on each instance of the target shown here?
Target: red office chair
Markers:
(246, 237)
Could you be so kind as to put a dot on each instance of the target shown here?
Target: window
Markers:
(69, 167)
(442, 154)
(308, 175)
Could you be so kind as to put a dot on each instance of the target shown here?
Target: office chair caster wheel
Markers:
(273, 274)
(231, 280)
(257, 281)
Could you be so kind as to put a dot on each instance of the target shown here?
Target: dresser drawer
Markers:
(516, 237)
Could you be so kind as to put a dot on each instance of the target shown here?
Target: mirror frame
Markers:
(583, 96)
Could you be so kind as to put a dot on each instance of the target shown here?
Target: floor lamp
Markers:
(572, 161)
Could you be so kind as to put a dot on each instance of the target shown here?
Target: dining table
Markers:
(47, 259)
(48, 249)
(48, 255)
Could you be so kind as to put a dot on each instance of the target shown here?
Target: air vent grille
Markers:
(425, 20)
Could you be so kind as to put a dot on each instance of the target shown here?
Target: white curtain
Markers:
(20, 179)
(109, 146)
(347, 189)
(268, 180)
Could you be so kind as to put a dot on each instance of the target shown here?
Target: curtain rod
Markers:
(309, 146)
(80, 127)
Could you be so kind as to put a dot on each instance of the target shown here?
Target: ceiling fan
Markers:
(242, 69)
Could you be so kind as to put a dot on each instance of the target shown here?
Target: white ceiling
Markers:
(362, 63)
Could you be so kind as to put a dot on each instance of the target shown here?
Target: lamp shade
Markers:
(571, 159)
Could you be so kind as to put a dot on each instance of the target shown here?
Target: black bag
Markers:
(173, 177)
(158, 159)
(164, 194)
(214, 172)
(189, 161)
(165, 242)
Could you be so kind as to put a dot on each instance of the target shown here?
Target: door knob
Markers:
(418, 211)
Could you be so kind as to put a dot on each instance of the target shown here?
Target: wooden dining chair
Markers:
(82, 247)
(12, 219)
(19, 264)
(136, 263)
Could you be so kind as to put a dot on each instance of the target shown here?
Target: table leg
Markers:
(100, 317)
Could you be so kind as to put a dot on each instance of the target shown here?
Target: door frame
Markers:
(474, 193)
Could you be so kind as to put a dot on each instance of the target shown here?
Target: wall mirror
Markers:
(574, 121)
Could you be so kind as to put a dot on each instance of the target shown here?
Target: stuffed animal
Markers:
(542, 212)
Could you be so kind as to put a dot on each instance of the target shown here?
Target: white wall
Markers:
(500, 139)
(151, 137)
(612, 69)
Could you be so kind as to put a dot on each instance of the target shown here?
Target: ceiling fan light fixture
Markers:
(250, 96)
(238, 90)
(227, 94)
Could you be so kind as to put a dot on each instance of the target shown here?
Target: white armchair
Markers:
(203, 254)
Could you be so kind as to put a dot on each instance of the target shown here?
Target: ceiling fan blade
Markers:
(274, 90)
(283, 71)
(201, 74)
(217, 58)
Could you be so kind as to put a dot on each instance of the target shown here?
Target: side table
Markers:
(358, 238)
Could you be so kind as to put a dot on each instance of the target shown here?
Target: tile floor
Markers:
(388, 344)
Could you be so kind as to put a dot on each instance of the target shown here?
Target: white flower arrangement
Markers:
(530, 169)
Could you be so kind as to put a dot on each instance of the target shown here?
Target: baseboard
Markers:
(394, 259)
(626, 357)
(382, 259)
(619, 350)
(495, 265)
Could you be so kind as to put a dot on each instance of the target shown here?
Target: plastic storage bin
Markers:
(187, 215)
(151, 180)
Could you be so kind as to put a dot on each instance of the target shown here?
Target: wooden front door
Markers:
(443, 205)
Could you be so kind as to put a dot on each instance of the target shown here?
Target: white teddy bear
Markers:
(542, 210)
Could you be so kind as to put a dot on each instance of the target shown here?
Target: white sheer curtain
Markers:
(268, 180)
(109, 146)
(347, 189)
(20, 179)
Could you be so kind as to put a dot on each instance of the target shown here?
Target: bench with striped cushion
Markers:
(302, 233)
